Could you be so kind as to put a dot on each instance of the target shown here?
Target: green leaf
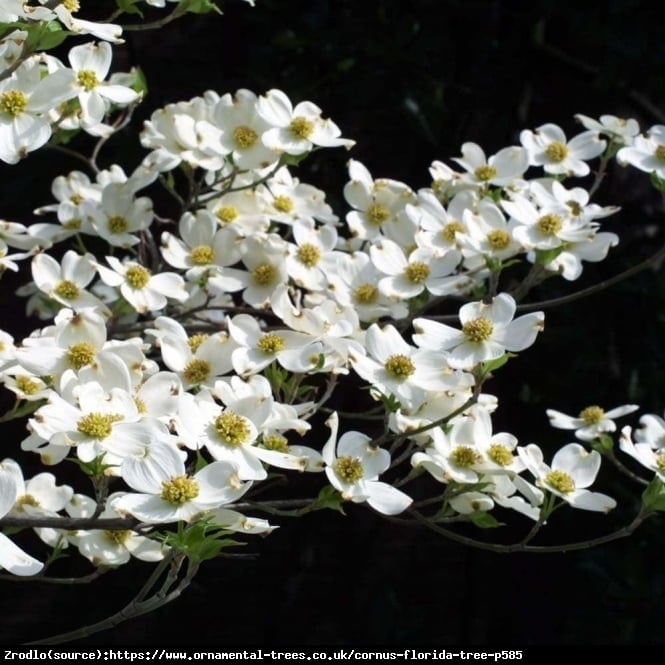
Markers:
(96, 467)
(657, 182)
(492, 365)
(330, 498)
(198, 6)
(653, 497)
(129, 7)
(545, 256)
(22, 409)
(44, 36)
(484, 520)
(603, 444)
(200, 541)
(140, 85)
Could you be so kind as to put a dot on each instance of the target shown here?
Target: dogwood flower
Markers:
(91, 63)
(647, 153)
(110, 547)
(353, 466)
(573, 469)
(144, 291)
(166, 493)
(296, 130)
(592, 422)
(488, 331)
(548, 147)
(12, 557)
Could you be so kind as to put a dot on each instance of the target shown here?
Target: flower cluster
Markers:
(184, 357)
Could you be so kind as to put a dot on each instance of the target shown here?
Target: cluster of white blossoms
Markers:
(184, 357)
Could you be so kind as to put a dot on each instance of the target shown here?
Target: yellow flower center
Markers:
(399, 367)
(575, 208)
(500, 454)
(97, 425)
(232, 428)
(450, 230)
(202, 255)
(478, 330)
(117, 224)
(264, 274)
(76, 199)
(26, 500)
(349, 469)
(179, 490)
(498, 239)
(308, 254)
(592, 415)
(197, 371)
(141, 406)
(550, 224)
(366, 294)
(276, 442)
(485, 172)
(301, 127)
(67, 290)
(196, 340)
(283, 203)
(556, 151)
(87, 79)
(72, 224)
(81, 354)
(226, 214)
(13, 102)
(465, 456)
(560, 481)
(27, 385)
(271, 343)
(660, 153)
(377, 214)
(71, 5)
(118, 537)
(137, 277)
(660, 461)
(417, 272)
(245, 137)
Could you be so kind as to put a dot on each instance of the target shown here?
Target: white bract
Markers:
(592, 422)
(488, 331)
(353, 466)
(573, 469)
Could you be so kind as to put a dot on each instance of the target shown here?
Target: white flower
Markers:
(296, 130)
(573, 470)
(592, 422)
(242, 127)
(647, 153)
(422, 269)
(379, 205)
(12, 557)
(353, 466)
(166, 493)
(499, 170)
(91, 63)
(144, 291)
(549, 148)
(488, 331)
(618, 130)
(650, 456)
(25, 99)
(110, 547)
(395, 367)
(67, 283)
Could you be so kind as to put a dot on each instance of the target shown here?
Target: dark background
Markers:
(411, 81)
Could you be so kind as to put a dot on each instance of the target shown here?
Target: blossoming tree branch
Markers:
(187, 353)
